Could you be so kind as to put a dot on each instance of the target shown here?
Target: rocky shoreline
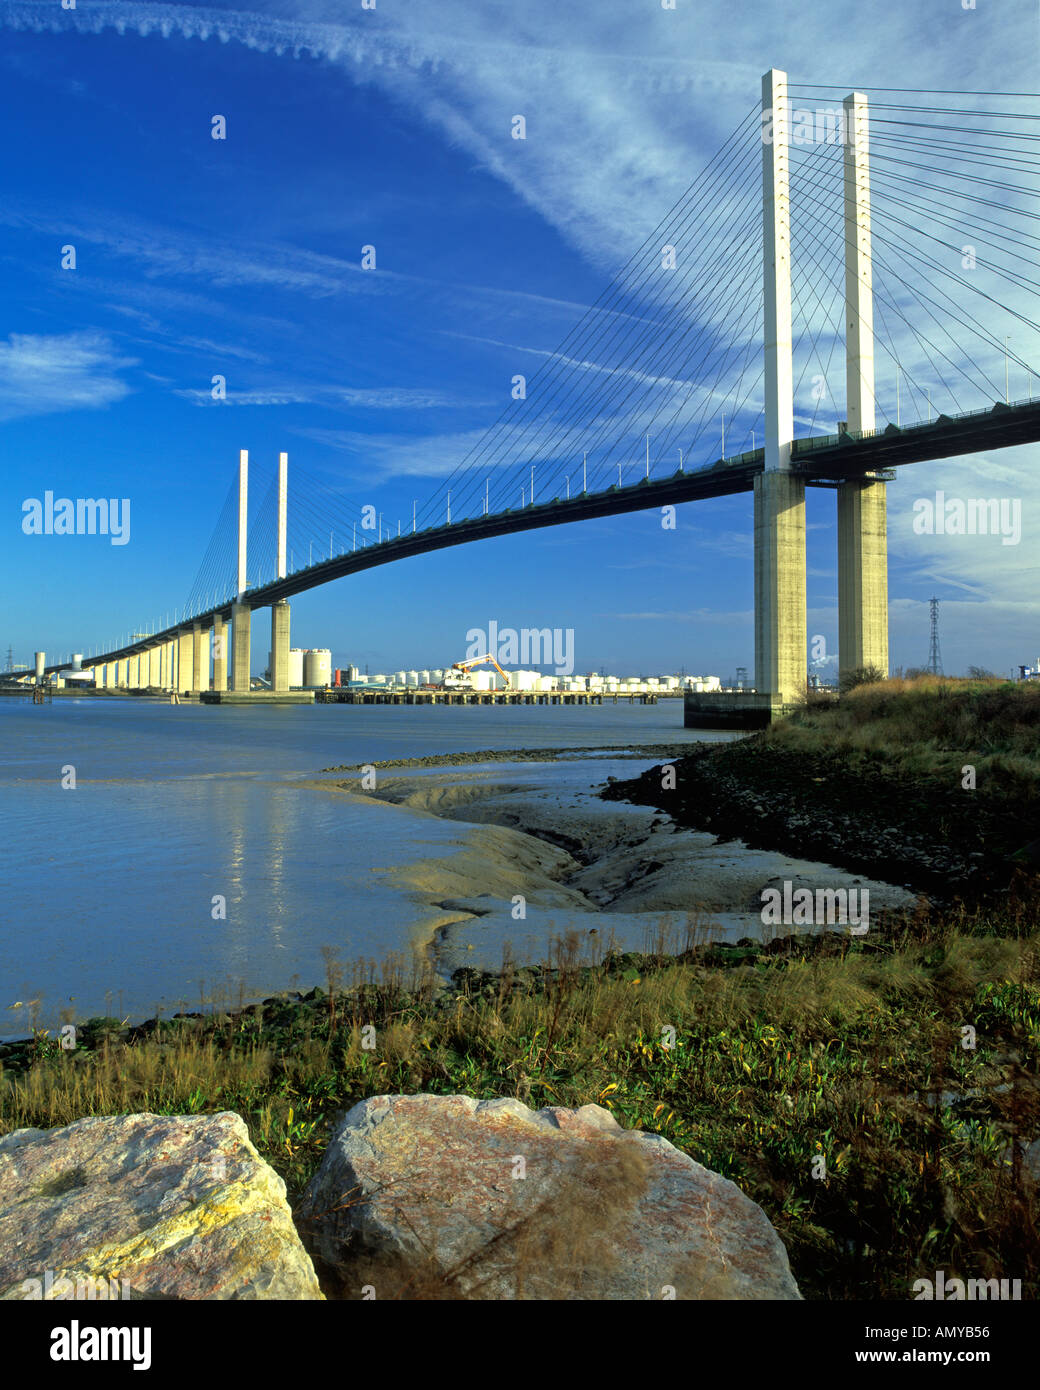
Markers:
(920, 832)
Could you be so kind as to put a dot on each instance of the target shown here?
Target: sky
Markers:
(240, 260)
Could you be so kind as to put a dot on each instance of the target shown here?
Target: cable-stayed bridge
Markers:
(848, 286)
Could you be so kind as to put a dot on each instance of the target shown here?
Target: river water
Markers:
(109, 886)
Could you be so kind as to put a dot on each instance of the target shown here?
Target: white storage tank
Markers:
(317, 667)
(400, 678)
(424, 677)
(413, 678)
(295, 668)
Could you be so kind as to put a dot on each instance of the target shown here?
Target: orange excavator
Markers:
(458, 678)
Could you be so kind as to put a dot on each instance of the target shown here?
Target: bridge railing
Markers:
(828, 441)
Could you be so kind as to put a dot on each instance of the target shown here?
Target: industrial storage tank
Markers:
(424, 676)
(317, 667)
(295, 668)
(412, 678)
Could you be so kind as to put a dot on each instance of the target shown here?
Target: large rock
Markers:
(179, 1207)
(449, 1197)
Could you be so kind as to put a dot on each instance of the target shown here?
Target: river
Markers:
(113, 888)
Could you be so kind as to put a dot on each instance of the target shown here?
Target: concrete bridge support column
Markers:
(781, 649)
(220, 653)
(280, 646)
(153, 666)
(199, 665)
(240, 619)
(862, 575)
(185, 660)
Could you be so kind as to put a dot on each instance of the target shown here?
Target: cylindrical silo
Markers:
(317, 667)
(295, 668)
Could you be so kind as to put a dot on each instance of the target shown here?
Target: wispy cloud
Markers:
(375, 398)
(42, 375)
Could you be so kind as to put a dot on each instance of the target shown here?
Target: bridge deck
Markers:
(820, 460)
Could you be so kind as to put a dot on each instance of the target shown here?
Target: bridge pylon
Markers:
(780, 603)
(781, 647)
(240, 612)
(862, 502)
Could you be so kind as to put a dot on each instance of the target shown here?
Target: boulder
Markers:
(449, 1197)
(146, 1206)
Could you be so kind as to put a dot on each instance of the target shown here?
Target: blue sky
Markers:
(242, 258)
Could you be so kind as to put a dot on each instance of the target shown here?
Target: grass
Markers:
(783, 1053)
(929, 727)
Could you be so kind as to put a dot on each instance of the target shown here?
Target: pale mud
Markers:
(537, 863)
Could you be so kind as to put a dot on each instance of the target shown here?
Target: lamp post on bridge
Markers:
(1007, 388)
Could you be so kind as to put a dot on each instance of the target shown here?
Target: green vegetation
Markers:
(929, 727)
(785, 1051)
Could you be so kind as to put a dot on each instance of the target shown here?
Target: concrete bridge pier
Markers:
(152, 677)
(199, 664)
(862, 575)
(240, 620)
(185, 660)
(220, 641)
(781, 647)
(280, 645)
